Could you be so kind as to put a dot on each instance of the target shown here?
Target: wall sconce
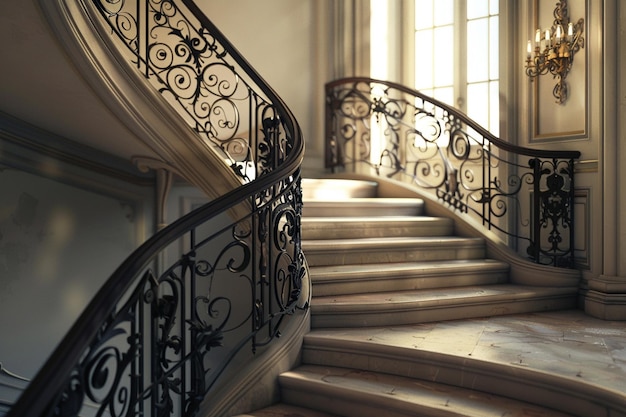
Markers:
(555, 49)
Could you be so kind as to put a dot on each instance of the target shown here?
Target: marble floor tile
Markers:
(568, 343)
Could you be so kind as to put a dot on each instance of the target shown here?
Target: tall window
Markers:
(456, 55)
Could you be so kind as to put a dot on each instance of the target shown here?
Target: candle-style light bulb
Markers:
(548, 43)
(537, 37)
(559, 33)
(570, 31)
(529, 49)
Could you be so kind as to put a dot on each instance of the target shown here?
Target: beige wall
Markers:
(620, 104)
(286, 41)
(574, 125)
(58, 245)
(589, 122)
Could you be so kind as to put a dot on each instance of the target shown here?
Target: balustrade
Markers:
(523, 195)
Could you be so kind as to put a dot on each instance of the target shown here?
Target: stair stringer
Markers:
(522, 271)
(254, 386)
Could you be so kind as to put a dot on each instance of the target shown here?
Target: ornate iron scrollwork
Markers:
(189, 65)
(162, 350)
(401, 134)
(236, 267)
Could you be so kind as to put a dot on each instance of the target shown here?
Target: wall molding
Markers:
(582, 222)
(606, 297)
(30, 149)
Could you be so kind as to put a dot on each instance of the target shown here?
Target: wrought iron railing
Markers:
(525, 196)
(200, 73)
(215, 285)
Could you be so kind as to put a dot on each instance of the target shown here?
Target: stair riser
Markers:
(356, 211)
(342, 402)
(326, 286)
(348, 256)
(313, 188)
(331, 316)
(335, 230)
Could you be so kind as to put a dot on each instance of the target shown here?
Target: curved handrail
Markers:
(154, 342)
(38, 396)
(201, 75)
(437, 148)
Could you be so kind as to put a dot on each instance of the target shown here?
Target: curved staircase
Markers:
(382, 272)
(382, 261)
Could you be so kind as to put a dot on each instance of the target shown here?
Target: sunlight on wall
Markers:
(58, 244)
(379, 39)
(379, 68)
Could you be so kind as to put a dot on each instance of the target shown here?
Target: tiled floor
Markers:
(567, 343)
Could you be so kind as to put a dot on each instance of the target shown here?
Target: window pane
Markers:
(437, 67)
(444, 56)
(477, 8)
(444, 12)
(478, 103)
(494, 56)
(428, 91)
(423, 14)
(494, 7)
(445, 94)
(477, 50)
(423, 59)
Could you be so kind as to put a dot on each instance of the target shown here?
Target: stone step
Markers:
(358, 393)
(544, 359)
(337, 189)
(365, 207)
(383, 226)
(421, 306)
(357, 279)
(285, 410)
(398, 249)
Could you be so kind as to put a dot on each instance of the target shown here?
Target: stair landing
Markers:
(564, 349)
(568, 344)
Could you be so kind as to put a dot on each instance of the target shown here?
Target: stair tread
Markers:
(407, 307)
(398, 276)
(368, 392)
(390, 242)
(337, 227)
(372, 250)
(395, 269)
(365, 201)
(436, 296)
(337, 188)
(362, 206)
(382, 220)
